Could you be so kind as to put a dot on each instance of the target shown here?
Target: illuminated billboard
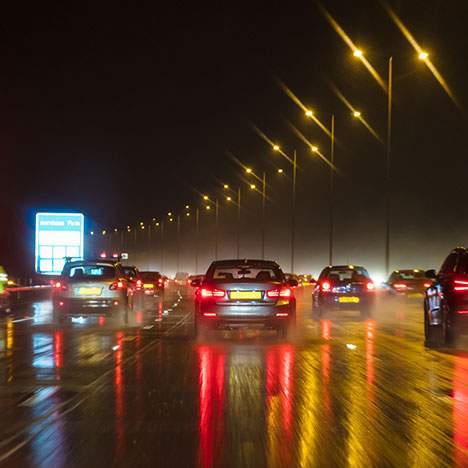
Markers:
(58, 236)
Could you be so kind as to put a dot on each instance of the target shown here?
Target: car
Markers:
(244, 293)
(153, 282)
(91, 286)
(5, 305)
(306, 280)
(292, 277)
(408, 283)
(133, 277)
(344, 287)
(446, 300)
(195, 278)
(181, 278)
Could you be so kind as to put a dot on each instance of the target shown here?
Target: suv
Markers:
(244, 293)
(344, 287)
(91, 286)
(446, 300)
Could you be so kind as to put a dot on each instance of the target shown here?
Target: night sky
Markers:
(121, 111)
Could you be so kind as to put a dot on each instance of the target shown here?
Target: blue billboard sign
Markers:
(58, 236)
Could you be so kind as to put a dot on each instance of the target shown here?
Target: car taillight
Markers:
(427, 285)
(139, 283)
(209, 314)
(370, 286)
(400, 286)
(325, 286)
(160, 281)
(460, 285)
(283, 292)
(117, 285)
(206, 293)
(59, 285)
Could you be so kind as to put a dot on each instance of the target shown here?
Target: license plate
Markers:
(148, 286)
(245, 295)
(89, 291)
(415, 295)
(348, 300)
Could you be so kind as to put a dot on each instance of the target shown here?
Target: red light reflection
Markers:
(211, 388)
(58, 344)
(460, 411)
(119, 396)
(326, 329)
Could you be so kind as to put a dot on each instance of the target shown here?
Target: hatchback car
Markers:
(245, 293)
(153, 282)
(408, 283)
(91, 287)
(344, 287)
(446, 300)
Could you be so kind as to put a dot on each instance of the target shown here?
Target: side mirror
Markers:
(431, 274)
(196, 283)
(293, 283)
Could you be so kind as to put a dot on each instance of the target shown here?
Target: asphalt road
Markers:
(140, 391)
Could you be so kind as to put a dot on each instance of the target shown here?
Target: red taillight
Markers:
(281, 314)
(139, 283)
(427, 285)
(325, 286)
(209, 314)
(400, 286)
(460, 285)
(370, 286)
(283, 292)
(59, 285)
(207, 293)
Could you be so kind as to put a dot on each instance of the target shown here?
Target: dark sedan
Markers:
(344, 287)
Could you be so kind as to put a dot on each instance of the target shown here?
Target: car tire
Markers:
(435, 335)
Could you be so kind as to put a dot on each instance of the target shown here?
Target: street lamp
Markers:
(423, 55)
(253, 187)
(389, 89)
(293, 161)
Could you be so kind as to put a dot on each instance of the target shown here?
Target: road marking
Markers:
(22, 320)
(40, 395)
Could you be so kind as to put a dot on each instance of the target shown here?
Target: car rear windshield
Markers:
(150, 275)
(245, 273)
(90, 272)
(408, 275)
(347, 274)
(130, 272)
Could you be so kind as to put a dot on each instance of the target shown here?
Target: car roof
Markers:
(246, 261)
(92, 262)
(344, 267)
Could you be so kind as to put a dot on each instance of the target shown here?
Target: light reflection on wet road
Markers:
(140, 390)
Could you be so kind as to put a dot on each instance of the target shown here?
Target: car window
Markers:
(91, 272)
(149, 276)
(407, 275)
(462, 266)
(246, 273)
(449, 264)
(347, 274)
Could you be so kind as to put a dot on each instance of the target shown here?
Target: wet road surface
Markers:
(140, 390)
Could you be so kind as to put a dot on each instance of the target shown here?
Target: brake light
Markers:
(427, 285)
(370, 286)
(460, 285)
(59, 285)
(281, 314)
(283, 292)
(138, 283)
(209, 314)
(207, 293)
(400, 286)
(325, 286)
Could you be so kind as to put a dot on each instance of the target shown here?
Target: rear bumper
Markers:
(332, 301)
(71, 306)
(264, 316)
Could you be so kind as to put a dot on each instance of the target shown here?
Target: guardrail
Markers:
(24, 294)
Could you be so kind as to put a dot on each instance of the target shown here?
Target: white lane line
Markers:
(40, 395)
(22, 320)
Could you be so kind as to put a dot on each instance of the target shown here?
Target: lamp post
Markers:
(293, 161)
(263, 182)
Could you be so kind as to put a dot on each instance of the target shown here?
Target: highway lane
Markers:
(140, 389)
